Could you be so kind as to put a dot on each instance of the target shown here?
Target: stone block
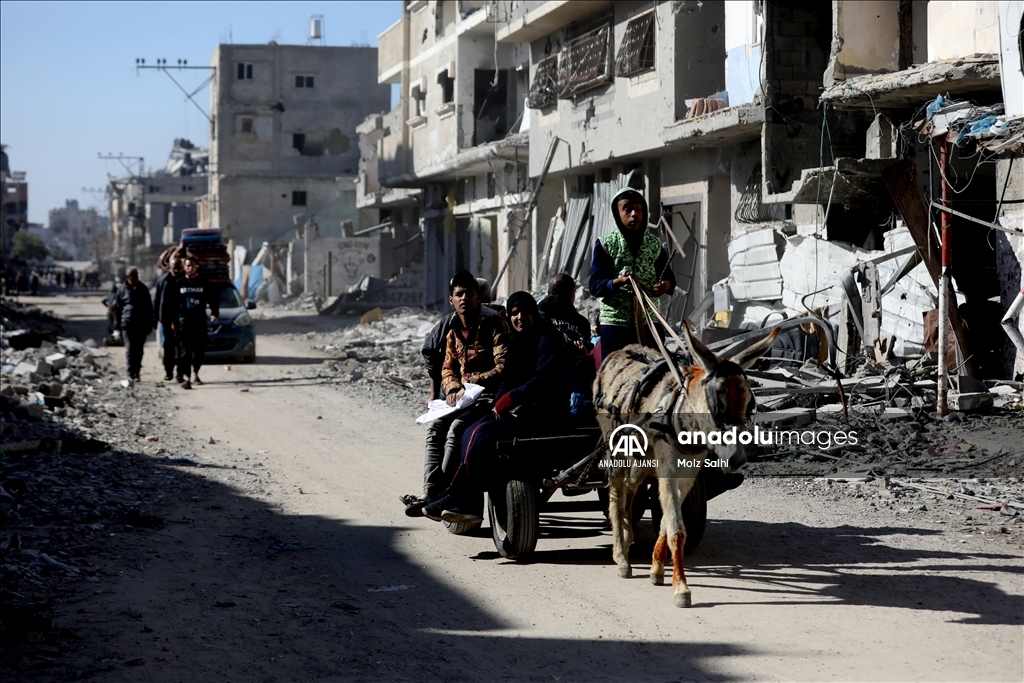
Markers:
(42, 368)
(57, 361)
(969, 402)
(22, 369)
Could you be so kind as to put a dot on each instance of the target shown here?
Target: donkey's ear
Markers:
(747, 356)
(704, 357)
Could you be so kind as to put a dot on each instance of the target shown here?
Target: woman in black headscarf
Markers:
(532, 399)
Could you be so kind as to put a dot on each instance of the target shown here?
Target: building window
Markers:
(245, 124)
(303, 81)
(298, 198)
(447, 84)
(636, 52)
(544, 90)
(586, 60)
(419, 100)
(244, 71)
(299, 141)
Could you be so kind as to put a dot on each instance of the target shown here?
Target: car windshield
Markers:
(229, 298)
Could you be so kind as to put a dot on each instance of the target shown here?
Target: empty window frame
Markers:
(447, 83)
(299, 141)
(303, 81)
(244, 71)
(636, 52)
(245, 124)
(298, 198)
(544, 90)
(419, 100)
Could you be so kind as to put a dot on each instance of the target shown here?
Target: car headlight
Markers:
(243, 320)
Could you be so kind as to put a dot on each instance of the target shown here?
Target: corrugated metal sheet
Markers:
(577, 222)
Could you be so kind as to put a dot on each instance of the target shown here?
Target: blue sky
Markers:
(69, 88)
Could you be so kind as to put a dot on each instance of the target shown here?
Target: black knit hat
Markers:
(522, 300)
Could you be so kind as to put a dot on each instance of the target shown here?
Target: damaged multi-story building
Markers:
(79, 233)
(283, 146)
(13, 203)
(770, 139)
(149, 210)
(448, 165)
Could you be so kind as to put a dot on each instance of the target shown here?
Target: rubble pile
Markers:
(76, 477)
(378, 359)
(976, 506)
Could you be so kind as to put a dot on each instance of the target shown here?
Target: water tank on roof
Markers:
(316, 28)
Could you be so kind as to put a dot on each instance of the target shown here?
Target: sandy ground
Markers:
(287, 557)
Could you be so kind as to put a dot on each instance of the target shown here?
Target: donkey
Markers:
(715, 395)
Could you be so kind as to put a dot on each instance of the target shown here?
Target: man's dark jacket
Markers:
(566, 319)
(134, 307)
(163, 301)
(191, 298)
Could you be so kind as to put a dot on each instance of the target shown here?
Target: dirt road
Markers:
(287, 557)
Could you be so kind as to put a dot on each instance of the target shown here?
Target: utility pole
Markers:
(136, 214)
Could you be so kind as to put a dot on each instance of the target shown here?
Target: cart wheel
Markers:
(514, 519)
(645, 495)
(695, 514)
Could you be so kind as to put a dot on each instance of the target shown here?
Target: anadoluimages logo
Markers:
(625, 442)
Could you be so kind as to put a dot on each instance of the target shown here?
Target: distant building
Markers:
(14, 206)
(148, 212)
(284, 134)
(73, 229)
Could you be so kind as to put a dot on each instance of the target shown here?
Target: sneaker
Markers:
(168, 378)
(434, 510)
(456, 517)
(181, 380)
(186, 384)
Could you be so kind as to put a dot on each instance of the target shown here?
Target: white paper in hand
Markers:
(439, 408)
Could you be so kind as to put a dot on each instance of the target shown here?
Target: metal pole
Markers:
(947, 261)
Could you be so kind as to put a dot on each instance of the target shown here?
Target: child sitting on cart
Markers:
(533, 399)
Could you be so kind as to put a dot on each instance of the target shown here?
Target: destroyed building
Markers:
(768, 137)
(149, 210)
(448, 165)
(76, 231)
(13, 203)
(283, 132)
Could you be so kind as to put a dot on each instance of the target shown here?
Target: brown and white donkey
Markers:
(715, 396)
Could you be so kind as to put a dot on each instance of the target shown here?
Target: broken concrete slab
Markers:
(910, 87)
(969, 401)
(57, 361)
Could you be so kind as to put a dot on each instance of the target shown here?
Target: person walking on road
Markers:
(192, 296)
(133, 313)
(167, 315)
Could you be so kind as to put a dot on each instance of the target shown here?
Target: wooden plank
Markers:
(901, 181)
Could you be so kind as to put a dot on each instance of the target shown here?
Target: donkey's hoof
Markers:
(625, 572)
(658, 579)
(682, 599)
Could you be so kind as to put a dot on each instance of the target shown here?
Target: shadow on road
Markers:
(211, 582)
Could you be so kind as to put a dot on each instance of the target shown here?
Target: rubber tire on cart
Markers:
(514, 519)
(695, 514)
